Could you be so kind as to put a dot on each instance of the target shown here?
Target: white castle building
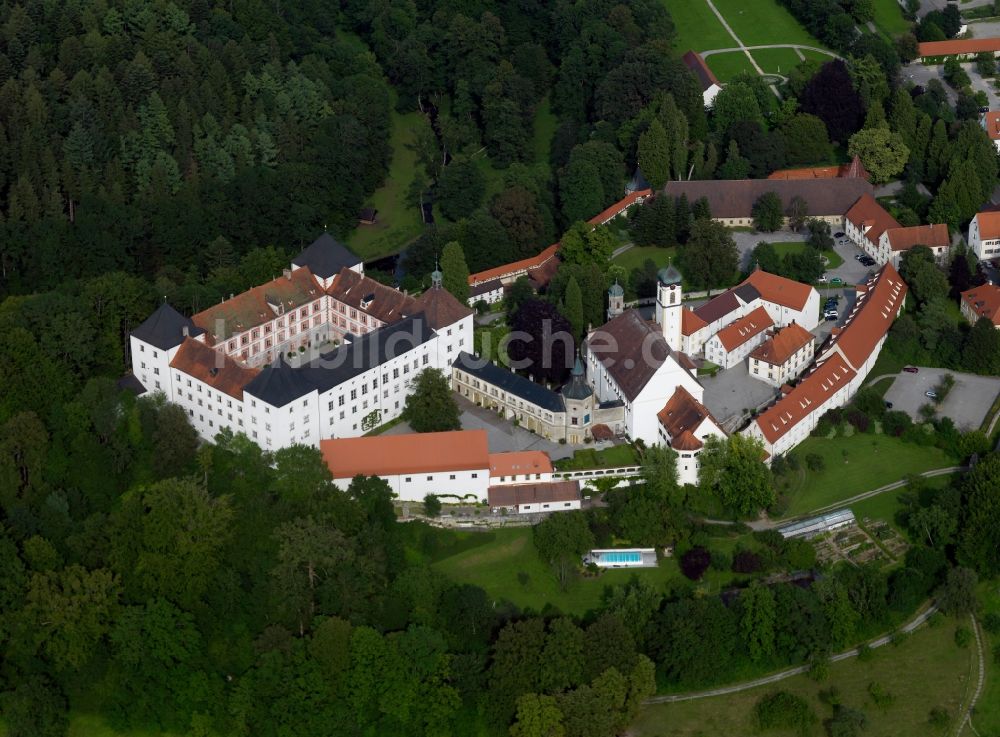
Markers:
(320, 352)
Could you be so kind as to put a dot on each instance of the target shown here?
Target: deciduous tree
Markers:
(430, 406)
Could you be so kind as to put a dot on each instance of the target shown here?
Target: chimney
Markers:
(287, 273)
(185, 331)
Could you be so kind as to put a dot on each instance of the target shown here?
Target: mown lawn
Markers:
(889, 17)
(926, 671)
(398, 222)
(616, 455)
(884, 506)
(728, 65)
(697, 27)
(507, 566)
(987, 717)
(636, 256)
(763, 22)
(853, 465)
(777, 61)
(544, 129)
(819, 55)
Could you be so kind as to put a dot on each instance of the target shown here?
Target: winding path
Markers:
(967, 714)
(882, 489)
(782, 675)
(742, 46)
(797, 47)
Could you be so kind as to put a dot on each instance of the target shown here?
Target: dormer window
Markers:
(367, 300)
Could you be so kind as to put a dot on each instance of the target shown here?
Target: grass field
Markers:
(763, 22)
(616, 455)
(987, 717)
(636, 256)
(89, 725)
(697, 26)
(833, 259)
(854, 465)
(819, 55)
(507, 566)
(889, 17)
(926, 671)
(776, 61)
(398, 223)
(884, 506)
(728, 65)
(544, 129)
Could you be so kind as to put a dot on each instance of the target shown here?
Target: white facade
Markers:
(777, 374)
(801, 429)
(717, 353)
(985, 247)
(783, 315)
(669, 306)
(413, 487)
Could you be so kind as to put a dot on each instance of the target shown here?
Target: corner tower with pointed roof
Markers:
(670, 304)
(616, 300)
(579, 400)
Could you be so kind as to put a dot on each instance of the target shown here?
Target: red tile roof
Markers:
(739, 332)
(213, 367)
(258, 305)
(619, 207)
(811, 393)
(984, 301)
(932, 236)
(855, 169)
(958, 46)
(513, 495)
(517, 463)
(686, 441)
(879, 301)
(989, 224)
(868, 216)
(364, 293)
(526, 264)
(783, 345)
(440, 308)
(683, 413)
(991, 123)
(694, 61)
(388, 455)
(779, 290)
(690, 322)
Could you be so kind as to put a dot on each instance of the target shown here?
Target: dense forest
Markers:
(185, 149)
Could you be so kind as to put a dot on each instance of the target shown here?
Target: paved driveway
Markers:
(733, 391)
(966, 404)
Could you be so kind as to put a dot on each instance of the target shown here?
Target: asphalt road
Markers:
(966, 404)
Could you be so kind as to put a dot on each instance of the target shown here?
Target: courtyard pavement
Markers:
(967, 402)
(502, 434)
(733, 391)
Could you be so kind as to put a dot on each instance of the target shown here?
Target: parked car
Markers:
(932, 395)
(858, 256)
(822, 279)
(830, 316)
(910, 369)
(839, 234)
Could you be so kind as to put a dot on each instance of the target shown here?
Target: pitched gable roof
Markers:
(386, 455)
(440, 308)
(989, 224)
(631, 350)
(932, 236)
(984, 301)
(783, 345)
(364, 293)
(694, 61)
(690, 322)
(879, 300)
(213, 367)
(258, 305)
(745, 329)
(734, 198)
(326, 256)
(683, 413)
(868, 216)
(514, 495)
(811, 393)
(509, 382)
(164, 329)
(779, 290)
(958, 46)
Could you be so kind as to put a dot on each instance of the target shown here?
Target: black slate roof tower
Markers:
(165, 328)
(326, 256)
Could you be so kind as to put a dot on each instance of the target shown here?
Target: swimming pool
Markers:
(621, 556)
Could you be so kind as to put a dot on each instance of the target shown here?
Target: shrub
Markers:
(432, 505)
(720, 560)
(782, 710)
(991, 623)
(865, 652)
(882, 698)
(778, 465)
(695, 562)
(859, 420)
(895, 423)
(939, 718)
(846, 722)
(830, 696)
(815, 462)
(746, 561)
(963, 636)
(793, 462)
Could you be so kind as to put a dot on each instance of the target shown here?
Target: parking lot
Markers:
(966, 404)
